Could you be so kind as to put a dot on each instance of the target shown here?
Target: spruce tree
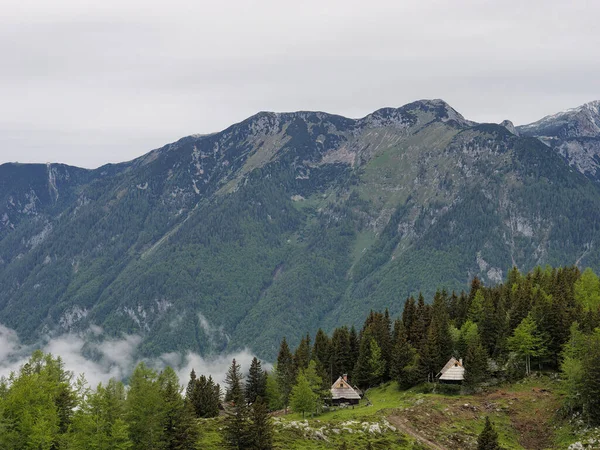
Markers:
(321, 354)
(488, 438)
(409, 316)
(256, 383)
(475, 361)
(285, 372)
(438, 344)
(302, 354)
(236, 424)
(404, 361)
(369, 366)
(260, 432)
(353, 348)
(341, 352)
(191, 386)
(233, 380)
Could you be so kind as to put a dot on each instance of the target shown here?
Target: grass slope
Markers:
(525, 414)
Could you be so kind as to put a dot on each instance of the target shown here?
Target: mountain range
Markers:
(287, 222)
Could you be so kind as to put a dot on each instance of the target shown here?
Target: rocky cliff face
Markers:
(303, 219)
(574, 134)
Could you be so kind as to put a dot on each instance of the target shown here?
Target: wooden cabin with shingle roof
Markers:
(343, 392)
(452, 372)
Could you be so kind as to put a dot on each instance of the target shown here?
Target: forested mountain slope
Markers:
(296, 221)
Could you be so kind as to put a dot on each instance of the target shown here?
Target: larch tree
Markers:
(303, 398)
(526, 341)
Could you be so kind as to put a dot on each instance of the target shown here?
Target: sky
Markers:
(87, 83)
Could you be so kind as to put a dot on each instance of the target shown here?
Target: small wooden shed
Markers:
(452, 372)
(343, 392)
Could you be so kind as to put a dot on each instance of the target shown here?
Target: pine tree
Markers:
(405, 364)
(285, 372)
(418, 332)
(490, 325)
(321, 354)
(409, 316)
(191, 386)
(475, 361)
(233, 380)
(256, 383)
(236, 431)
(341, 353)
(488, 438)
(178, 422)
(353, 348)
(438, 344)
(370, 365)
(260, 433)
(302, 354)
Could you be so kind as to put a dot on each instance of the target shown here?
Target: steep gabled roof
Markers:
(342, 390)
(453, 371)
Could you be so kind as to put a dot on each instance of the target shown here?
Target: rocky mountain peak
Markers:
(582, 121)
(510, 127)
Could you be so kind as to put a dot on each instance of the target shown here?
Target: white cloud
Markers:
(117, 357)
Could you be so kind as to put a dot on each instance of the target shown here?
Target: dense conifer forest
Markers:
(545, 321)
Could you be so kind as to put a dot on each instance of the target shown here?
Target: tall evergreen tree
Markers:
(180, 428)
(256, 383)
(404, 366)
(302, 354)
(341, 352)
(260, 432)
(236, 432)
(370, 366)
(321, 354)
(475, 361)
(285, 372)
(233, 381)
(438, 344)
(409, 316)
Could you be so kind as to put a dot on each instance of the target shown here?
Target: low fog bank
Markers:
(101, 359)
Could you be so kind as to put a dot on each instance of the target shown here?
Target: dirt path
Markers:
(406, 428)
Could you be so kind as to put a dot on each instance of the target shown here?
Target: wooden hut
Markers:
(452, 372)
(342, 392)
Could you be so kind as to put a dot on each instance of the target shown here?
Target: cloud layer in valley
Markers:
(102, 359)
(89, 83)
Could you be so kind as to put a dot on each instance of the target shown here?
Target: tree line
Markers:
(547, 319)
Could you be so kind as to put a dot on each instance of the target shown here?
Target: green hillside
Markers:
(304, 219)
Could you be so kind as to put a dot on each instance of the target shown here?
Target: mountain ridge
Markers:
(307, 218)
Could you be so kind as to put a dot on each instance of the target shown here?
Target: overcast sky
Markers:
(87, 83)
